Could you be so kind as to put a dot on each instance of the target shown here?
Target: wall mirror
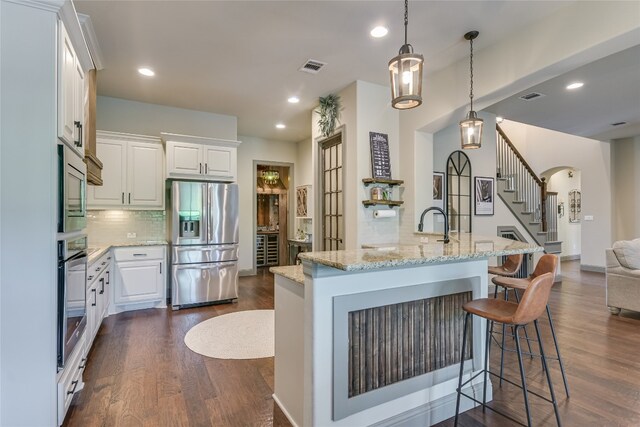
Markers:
(459, 192)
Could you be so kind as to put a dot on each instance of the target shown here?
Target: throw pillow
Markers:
(628, 253)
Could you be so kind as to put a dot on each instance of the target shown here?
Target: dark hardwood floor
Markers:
(140, 372)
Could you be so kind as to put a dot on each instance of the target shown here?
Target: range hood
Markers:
(94, 165)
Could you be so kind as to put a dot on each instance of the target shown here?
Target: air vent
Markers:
(312, 66)
(531, 96)
(618, 123)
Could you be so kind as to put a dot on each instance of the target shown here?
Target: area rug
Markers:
(240, 335)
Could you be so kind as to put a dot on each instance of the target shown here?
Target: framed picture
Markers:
(484, 195)
(303, 201)
(438, 186)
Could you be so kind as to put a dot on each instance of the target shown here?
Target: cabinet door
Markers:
(93, 324)
(138, 281)
(221, 162)
(78, 107)
(184, 158)
(66, 87)
(114, 176)
(145, 178)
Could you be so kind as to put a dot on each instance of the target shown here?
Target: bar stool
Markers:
(509, 268)
(517, 315)
(547, 264)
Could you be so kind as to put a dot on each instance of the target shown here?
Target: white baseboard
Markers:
(594, 268)
(284, 410)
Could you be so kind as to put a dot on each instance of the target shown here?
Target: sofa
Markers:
(623, 276)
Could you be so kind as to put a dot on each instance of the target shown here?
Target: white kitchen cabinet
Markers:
(194, 157)
(139, 278)
(71, 93)
(98, 295)
(132, 173)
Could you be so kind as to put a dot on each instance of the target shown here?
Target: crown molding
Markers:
(92, 40)
(50, 6)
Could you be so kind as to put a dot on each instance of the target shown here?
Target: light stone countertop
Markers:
(422, 249)
(293, 272)
(95, 252)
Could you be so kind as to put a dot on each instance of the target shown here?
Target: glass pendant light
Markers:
(471, 126)
(405, 71)
(270, 177)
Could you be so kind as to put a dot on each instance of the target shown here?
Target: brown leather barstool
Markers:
(509, 268)
(548, 263)
(516, 315)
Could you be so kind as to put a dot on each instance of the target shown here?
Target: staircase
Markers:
(526, 195)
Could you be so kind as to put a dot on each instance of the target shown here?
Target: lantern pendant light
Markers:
(406, 73)
(471, 126)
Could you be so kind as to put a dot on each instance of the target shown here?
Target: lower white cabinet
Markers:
(70, 379)
(98, 295)
(139, 277)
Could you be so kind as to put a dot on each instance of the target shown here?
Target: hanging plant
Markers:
(329, 112)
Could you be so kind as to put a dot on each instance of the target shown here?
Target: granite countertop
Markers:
(293, 272)
(423, 248)
(95, 252)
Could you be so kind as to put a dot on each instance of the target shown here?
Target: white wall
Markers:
(545, 149)
(625, 171)
(366, 108)
(257, 150)
(535, 54)
(304, 176)
(569, 233)
(375, 114)
(28, 255)
(121, 115)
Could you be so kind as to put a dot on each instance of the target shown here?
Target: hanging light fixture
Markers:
(471, 127)
(270, 176)
(406, 73)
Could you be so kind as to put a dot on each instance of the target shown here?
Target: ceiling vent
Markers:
(618, 123)
(531, 96)
(312, 66)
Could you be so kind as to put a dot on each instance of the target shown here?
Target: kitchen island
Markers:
(373, 336)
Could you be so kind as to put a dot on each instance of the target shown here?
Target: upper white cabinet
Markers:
(208, 159)
(132, 173)
(71, 93)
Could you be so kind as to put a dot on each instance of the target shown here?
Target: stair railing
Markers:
(530, 190)
(552, 216)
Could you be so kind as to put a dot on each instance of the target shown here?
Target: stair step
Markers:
(542, 233)
(517, 202)
(502, 179)
(526, 212)
(509, 190)
(534, 223)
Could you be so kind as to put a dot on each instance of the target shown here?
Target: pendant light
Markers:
(270, 177)
(471, 126)
(406, 73)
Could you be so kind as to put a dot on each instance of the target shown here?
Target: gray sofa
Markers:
(623, 276)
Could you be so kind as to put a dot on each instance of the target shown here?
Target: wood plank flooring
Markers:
(140, 373)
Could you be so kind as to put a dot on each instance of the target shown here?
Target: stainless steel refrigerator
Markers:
(204, 242)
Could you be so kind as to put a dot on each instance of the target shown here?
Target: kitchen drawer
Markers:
(139, 253)
(70, 381)
(96, 268)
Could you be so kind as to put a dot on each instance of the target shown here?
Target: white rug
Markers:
(240, 335)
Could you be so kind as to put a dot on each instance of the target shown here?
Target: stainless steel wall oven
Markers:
(72, 204)
(72, 294)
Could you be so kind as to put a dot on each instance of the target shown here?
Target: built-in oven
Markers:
(72, 184)
(72, 294)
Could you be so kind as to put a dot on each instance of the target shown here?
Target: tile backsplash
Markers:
(112, 226)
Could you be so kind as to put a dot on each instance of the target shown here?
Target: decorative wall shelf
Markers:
(389, 182)
(391, 203)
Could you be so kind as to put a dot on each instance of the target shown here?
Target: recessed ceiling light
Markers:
(280, 125)
(379, 31)
(146, 72)
(293, 100)
(575, 85)
(499, 119)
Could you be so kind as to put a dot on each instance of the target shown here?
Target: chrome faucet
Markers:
(446, 222)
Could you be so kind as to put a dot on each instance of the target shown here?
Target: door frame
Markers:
(317, 184)
(254, 204)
